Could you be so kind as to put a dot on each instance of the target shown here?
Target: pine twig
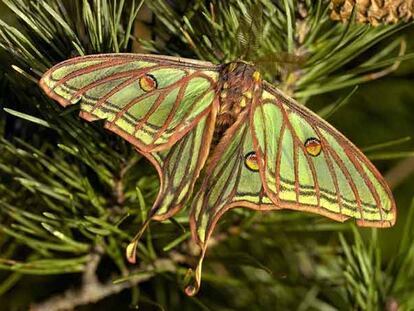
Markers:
(93, 291)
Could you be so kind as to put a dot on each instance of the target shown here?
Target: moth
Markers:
(257, 147)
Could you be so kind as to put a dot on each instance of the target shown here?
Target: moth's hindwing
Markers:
(179, 168)
(232, 180)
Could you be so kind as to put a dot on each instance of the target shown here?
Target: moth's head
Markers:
(238, 65)
(241, 70)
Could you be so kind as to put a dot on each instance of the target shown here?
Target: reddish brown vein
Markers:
(133, 73)
(297, 142)
(86, 70)
(201, 156)
(164, 92)
(198, 98)
(153, 108)
(217, 155)
(263, 155)
(278, 158)
(346, 173)
(314, 175)
(223, 150)
(104, 80)
(184, 142)
(114, 90)
(172, 112)
(237, 178)
(159, 100)
(295, 165)
(295, 152)
(367, 181)
(197, 74)
(331, 171)
(230, 177)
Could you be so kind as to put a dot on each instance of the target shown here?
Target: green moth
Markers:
(257, 147)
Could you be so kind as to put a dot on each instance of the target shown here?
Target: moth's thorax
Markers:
(238, 83)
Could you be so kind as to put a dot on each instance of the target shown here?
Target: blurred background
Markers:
(72, 195)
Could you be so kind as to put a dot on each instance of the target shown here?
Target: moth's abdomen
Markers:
(238, 83)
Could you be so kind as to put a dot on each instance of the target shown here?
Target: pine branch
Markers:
(92, 290)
